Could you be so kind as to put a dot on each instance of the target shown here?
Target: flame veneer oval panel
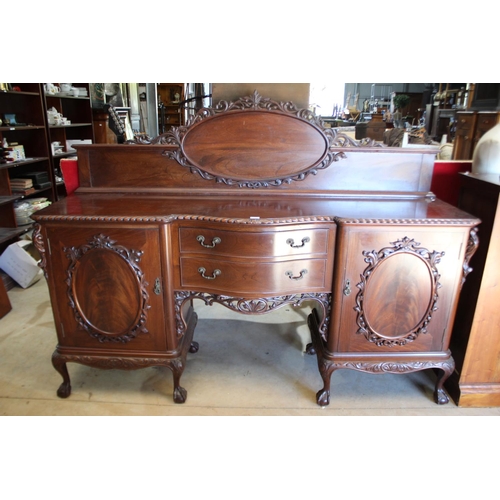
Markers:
(398, 295)
(255, 145)
(107, 292)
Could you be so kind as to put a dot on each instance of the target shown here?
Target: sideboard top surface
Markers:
(247, 210)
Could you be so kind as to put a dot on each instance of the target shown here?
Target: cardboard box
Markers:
(20, 262)
(72, 142)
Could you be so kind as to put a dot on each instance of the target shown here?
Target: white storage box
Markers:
(71, 143)
(20, 262)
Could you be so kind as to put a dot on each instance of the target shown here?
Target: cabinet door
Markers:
(396, 288)
(106, 287)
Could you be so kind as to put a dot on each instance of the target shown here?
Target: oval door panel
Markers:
(254, 145)
(107, 292)
(398, 295)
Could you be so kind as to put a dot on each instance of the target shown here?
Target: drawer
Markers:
(242, 278)
(486, 121)
(212, 241)
(466, 121)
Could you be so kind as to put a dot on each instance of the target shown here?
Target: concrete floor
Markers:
(246, 365)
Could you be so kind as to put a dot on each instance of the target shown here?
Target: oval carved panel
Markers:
(254, 142)
(397, 293)
(254, 146)
(107, 290)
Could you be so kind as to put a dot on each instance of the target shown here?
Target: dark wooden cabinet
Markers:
(463, 146)
(475, 341)
(470, 127)
(255, 206)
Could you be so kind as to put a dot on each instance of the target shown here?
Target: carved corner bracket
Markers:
(39, 243)
(472, 246)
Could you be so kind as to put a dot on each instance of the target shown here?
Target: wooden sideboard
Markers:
(254, 205)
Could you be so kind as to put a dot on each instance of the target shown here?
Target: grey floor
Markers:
(246, 365)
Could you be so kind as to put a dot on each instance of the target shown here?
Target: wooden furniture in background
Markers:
(5, 305)
(170, 96)
(29, 130)
(76, 109)
(471, 126)
(254, 205)
(476, 334)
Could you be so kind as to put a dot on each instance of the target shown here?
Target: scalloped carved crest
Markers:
(103, 278)
(402, 281)
(282, 143)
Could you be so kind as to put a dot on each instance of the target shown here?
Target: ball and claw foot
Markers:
(64, 390)
(323, 397)
(180, 395)
(310, 349)
(440, 397)
(194, 347)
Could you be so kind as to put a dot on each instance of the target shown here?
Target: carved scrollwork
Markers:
(175, 137)
(374, 259)
(253, 306)
(179, 156)
(132, 258)
(472, 246)
(394, 367)
(39, 243)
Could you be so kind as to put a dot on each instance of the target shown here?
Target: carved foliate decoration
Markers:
(375, 259)
(472, 246)
(253, 306)
(39, 243)
(129, 260)
(334, 140)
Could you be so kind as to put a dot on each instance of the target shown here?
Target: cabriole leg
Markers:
(446, 369)
(59, 363)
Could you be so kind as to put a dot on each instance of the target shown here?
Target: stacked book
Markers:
(30, 182)
(22, 186)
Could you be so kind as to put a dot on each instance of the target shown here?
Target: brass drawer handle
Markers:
(291, 242)
(292, 277)
(202, 270)
(201, 239)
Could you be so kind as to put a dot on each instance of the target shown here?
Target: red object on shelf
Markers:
(69, 168)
